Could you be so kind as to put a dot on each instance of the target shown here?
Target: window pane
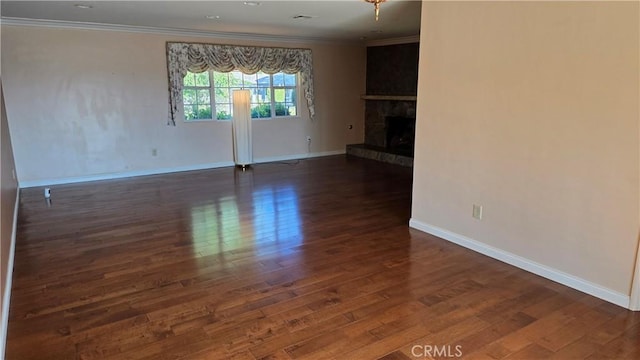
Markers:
(281, 109)
(222, 95)
(204, 111)
(189, 79)
(202, 79)
(278, 95)
(235, 79)
(292, 110)
(223, 111)
(260, 110)
(278, 79)
(249, 80)
(190, 112)
(189, 96)
(204, 96)
(220, 79)
(290, 95)
(260, 95)
(290, 79)
(264, 80)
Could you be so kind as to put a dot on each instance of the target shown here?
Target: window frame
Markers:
(272, 88)
(284, 87)
(195, 88)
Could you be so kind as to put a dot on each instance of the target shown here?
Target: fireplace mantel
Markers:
(389, 97)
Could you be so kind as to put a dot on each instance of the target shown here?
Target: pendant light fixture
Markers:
(376, 5)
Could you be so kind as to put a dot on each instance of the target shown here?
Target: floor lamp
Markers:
(242, 149)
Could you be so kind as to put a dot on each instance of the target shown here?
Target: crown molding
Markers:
(60, 24)
(394, 41)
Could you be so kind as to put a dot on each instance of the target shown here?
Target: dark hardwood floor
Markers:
(307, 260)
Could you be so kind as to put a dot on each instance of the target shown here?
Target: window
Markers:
(196, 96)
(211, 92)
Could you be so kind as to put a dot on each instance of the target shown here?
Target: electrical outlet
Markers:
(477, 212)
(308, 138)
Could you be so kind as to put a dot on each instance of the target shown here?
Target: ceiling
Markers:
(343, 20)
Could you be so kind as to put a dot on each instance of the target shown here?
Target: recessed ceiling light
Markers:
(213, 17)
(83, 6)
(252, 3)
(302, 17)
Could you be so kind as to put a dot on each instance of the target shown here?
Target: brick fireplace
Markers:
(390, 109)
(383, 117)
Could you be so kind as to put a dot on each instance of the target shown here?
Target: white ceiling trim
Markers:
(60, 24)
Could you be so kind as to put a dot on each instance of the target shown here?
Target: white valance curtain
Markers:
(197, 58)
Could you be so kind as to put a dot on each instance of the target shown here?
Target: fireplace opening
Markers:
(400, 134)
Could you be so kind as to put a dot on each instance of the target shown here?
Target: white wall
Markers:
(83, 103)
(531, 109)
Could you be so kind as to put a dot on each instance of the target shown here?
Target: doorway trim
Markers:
(634, 299)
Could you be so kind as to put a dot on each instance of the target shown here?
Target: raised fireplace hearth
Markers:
(379, 154)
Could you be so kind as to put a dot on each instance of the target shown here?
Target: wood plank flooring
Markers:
(303, 260)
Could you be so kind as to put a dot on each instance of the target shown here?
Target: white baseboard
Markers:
(6, 297)
(110, 176)
(526, 264)
(298, 156)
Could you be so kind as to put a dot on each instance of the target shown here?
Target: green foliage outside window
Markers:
(282, 110)
(261, 111)
(264, 111)
(223, 115)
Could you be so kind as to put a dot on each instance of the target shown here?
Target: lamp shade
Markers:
(242, 148)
